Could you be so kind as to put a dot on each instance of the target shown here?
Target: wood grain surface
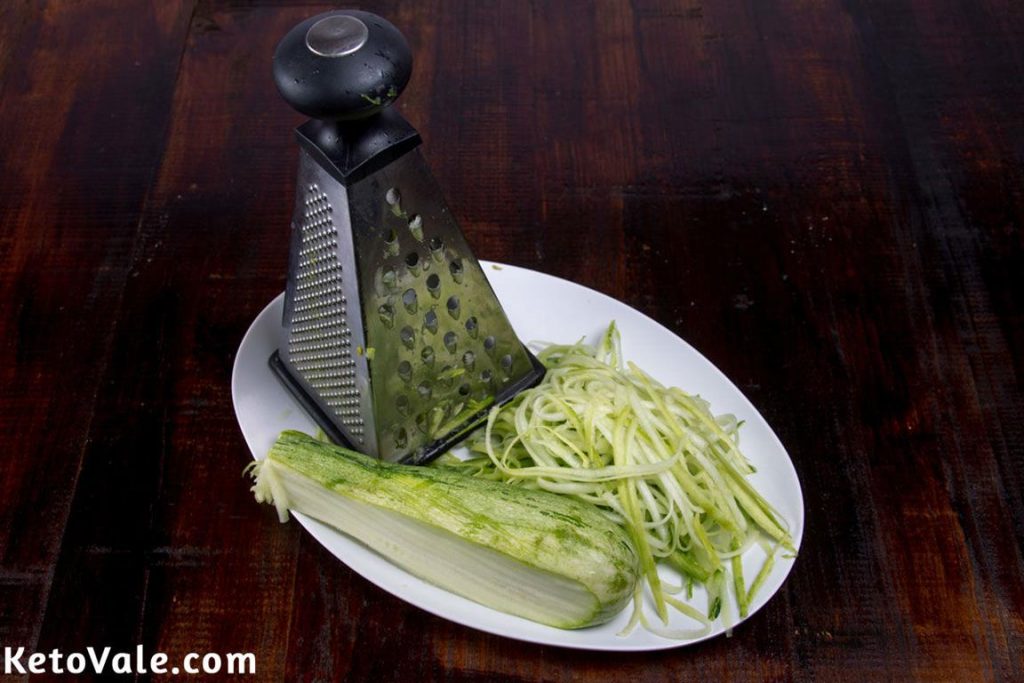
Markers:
(825, 198)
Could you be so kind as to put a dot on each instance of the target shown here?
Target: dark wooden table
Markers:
(826, 198)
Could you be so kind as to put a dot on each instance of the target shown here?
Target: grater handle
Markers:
(343, 65)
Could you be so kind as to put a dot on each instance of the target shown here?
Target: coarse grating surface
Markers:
(442, 347)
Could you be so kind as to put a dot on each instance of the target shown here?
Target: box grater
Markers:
(391, 337)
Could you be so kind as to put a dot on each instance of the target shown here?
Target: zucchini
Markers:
(534, 554)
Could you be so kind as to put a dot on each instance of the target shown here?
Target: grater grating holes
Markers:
(457, 270)
(416, 227)
(434, 285)
(387, 314)
(408, 337)
(436, 245)
(409, 300)
(430, 321)
(321, 305)
(423, 295)
(454, 307)
(311, 328)
(405, 370)
(391, 243)
(412, 262)
(390, 279)
(424, 389)
(451, 341)
(319, 344)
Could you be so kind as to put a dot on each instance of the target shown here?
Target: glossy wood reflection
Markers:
(824, 198)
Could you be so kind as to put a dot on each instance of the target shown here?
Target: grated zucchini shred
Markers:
(654, 459)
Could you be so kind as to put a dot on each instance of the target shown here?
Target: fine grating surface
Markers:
(319, 338)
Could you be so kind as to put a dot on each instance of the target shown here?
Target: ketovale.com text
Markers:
(105, 660)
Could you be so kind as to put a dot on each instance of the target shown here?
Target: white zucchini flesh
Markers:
(534, 554)
(438, 556)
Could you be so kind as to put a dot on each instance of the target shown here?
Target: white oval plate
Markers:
(541, 308)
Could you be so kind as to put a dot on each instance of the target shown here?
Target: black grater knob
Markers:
(342, 66)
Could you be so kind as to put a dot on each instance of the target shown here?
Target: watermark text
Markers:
(16, 660)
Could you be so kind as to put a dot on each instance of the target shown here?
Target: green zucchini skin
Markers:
(545, 531)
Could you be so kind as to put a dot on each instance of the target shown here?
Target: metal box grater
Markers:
(391, 336)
